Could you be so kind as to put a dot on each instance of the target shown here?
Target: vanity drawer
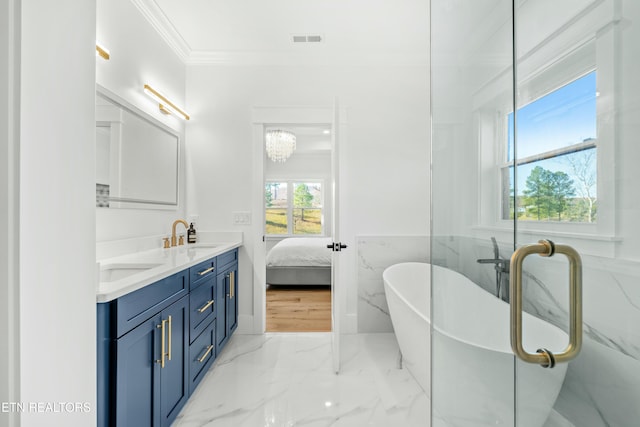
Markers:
(202, 307)
(201, 271)
(227, 258)
(202, 354)
(136, 307)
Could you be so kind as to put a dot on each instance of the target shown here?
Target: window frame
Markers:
(290, 207)
(587, 144)
(491, 105)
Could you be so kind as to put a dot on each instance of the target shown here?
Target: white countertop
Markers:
(162, 263)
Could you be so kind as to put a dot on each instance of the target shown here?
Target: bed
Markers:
(300, 261)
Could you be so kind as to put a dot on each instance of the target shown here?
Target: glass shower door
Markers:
(472, 366)
(575, 156)
(536, 113)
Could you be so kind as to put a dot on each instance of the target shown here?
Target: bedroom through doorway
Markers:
(297, 225)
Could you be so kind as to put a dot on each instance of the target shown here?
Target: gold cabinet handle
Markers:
(208, 270)
(169, 352)
(205, 307)
(232, 284)
(162, 343)
(206, 353)
(543, 356)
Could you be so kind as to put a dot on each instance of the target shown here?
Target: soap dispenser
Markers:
(191, 234)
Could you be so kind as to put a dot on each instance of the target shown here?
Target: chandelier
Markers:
(280, 144)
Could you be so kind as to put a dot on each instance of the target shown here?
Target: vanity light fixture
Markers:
(166, 106)
(102, 52)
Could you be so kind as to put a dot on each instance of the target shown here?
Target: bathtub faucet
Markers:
(501, 266)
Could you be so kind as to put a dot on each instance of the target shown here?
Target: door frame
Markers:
(262, 117)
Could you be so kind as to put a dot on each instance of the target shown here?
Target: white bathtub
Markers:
(473, 367)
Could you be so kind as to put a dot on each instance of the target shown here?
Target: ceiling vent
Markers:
(312, 38)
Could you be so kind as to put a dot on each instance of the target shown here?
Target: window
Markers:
(293, 208)
(556, 157)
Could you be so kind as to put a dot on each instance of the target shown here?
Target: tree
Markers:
(302, 197)
(548, 190)
(268, 193)
(584, 171)
(537, 192)
(561, 187)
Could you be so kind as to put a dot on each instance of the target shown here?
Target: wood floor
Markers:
(298, 309)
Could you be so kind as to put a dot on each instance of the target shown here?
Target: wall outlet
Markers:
(242, 218)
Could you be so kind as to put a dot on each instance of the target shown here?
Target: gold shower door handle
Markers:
(544, 357)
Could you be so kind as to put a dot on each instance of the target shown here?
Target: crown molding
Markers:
(308, 58)
(163, 26)
(302, 55)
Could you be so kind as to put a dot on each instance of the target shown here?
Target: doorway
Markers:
(262, 118)
(297, 225)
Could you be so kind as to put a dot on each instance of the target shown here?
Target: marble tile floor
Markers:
(286, 379)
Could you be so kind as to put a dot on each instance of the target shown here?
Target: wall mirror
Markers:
(137, 157)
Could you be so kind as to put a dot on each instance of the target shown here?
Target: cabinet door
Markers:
(137, 378)
(232, 299)
(174, 377)
(222, 289)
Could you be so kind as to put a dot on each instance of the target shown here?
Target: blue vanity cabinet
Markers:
(156, 344)
(232, 299)
(136, 333)
(152, 387)
(202, 353)
(203, 312)
(202, 297)
(137, 380)
(174, 377)
(227, 297)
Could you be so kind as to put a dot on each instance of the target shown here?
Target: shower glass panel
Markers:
(578, 110)
(472, 93)
(536, 113)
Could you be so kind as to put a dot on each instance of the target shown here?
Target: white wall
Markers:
(139, 56)
(385, 187)
(57, 222)
(9, 354)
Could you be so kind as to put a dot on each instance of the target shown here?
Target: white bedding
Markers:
(300, 252)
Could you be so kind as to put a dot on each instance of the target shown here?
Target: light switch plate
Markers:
(242, 218)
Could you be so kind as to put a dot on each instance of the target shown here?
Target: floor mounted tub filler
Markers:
(471, 343)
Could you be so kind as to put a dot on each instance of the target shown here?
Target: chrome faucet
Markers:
(173, 231)
(501, 266)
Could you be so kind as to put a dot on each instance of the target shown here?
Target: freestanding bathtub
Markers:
(473, 365)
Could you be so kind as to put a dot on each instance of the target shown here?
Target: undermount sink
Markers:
(118, 271)
(201, 247)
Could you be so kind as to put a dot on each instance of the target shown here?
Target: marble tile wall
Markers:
(375, 253)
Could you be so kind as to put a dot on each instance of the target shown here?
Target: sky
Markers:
(564, 117)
